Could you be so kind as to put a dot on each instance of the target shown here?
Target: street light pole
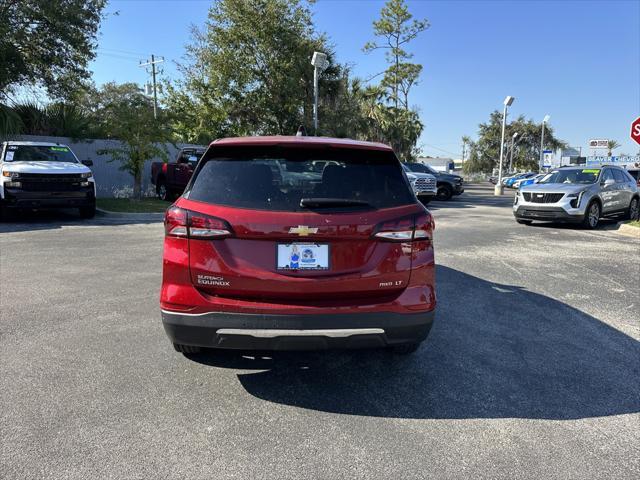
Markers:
(499, 187)
(544, 121)
(511, 152)
(320, 64)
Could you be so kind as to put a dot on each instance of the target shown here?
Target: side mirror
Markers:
(608, 182)
(87, 162)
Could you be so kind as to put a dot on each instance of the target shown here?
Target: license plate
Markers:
(302, 256)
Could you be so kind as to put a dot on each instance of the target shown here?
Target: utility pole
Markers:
(153, 63)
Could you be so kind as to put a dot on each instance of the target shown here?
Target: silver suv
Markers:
(578, 195)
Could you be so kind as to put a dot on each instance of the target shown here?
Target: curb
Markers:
(153, 215)
(629, 231)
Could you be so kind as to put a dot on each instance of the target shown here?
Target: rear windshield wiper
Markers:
(332, 202)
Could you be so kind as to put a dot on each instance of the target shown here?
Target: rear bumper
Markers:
(549, 214)
(16, 198)
(296, 332)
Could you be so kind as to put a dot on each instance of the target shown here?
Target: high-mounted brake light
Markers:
(184, 223)
(406, 229)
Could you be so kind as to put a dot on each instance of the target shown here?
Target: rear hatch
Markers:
(265, 224)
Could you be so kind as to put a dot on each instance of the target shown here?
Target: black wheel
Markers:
(523, 222)
(162, 191)
(592, 216)
(634, 209)
(444, 193)
(88, 212)
(405, 348)
(186, 348)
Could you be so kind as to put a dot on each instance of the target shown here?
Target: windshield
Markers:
(39, 153)
(288, 179)
(585, 176)
(421, 168)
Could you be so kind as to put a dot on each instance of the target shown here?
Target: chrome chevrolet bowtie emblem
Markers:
(303, 230)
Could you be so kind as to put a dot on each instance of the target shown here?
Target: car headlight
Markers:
(86, 175)
(576, 198)
(6, 173)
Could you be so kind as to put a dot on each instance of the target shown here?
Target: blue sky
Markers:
(578, 61)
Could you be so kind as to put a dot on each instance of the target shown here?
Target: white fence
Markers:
(110, 180)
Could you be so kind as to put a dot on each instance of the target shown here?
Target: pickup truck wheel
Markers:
(88, 212)
(162, 191)
(444, 193)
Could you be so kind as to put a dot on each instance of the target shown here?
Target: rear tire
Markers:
(405, 348)
(634, 209)
(445, 192)
(592, 216)
(88, 212)
(186, 348)
(523, 222)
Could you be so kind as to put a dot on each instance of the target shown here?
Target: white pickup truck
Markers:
(40, 175)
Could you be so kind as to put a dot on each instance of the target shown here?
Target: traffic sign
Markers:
(635, 130)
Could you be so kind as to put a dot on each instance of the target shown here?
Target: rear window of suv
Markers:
(294, 179)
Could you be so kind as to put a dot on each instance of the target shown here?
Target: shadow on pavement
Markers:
(28, 220)
(496, 351)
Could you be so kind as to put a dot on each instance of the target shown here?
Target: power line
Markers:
(441, 149)
(152, 63)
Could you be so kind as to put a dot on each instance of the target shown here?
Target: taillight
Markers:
(406, 229)
(185, 223)
(175, 222)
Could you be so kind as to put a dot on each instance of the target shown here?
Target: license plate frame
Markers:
(312, 257)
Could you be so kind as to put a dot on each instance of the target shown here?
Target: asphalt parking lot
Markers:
(531, 370)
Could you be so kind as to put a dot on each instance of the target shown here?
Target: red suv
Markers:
(295, 243)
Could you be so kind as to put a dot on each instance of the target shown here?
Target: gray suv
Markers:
(578, 195)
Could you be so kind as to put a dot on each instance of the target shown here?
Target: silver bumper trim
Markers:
(272, 333)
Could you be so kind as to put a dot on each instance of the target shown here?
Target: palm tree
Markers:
(612, 145)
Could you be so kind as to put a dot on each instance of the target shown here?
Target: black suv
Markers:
(448, 184)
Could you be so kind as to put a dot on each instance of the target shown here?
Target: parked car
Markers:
(250, 263)
(579, 195)
(528, 180)
(424, 184)
(510, 182)
(170, 179)
(448, 184)
(41, 175)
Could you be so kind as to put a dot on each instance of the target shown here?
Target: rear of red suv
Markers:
(295, 243)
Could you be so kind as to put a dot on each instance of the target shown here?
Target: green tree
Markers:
(611, 145)
(396, 28)
(485, 151)
(47, 43)
(126, 114)
(249, 71)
